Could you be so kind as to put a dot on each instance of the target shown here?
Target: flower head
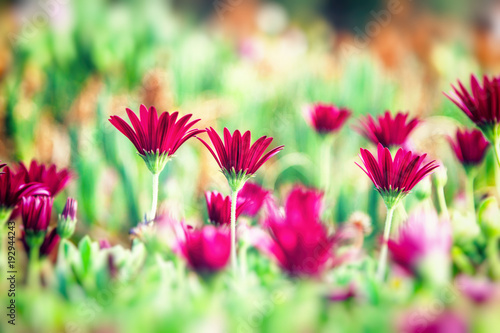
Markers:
(444, 322)
(156, 139)
(35, 214)
(219, 208)
(13, 188)
(423, 243)
(325, 118)
(206, 249)
(54, 180)
(299, 241)
(480, 290)
(386, 130)
(67, 220)
(470, 147)
(236, 157)
(395, 178)
(481, 104)
(254, 197)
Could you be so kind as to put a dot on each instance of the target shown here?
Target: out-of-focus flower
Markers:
(326, 118)
(480, 290)
(67, 220)
(394, 179)
(104, 244)
(444, 322)
(49, 243)
(54, 180)
(423, 246)
(386, 130)
(156, 139)
(481, 105)
(299, 241)
(236, 157)
(206, 249)
(470, 147)
(13, 188)
(254, 197)
(361, 221)
(219, 208)
(1, 167)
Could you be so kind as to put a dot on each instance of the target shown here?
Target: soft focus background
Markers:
(67, 65)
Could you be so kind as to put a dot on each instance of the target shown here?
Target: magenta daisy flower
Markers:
(35, 214)
(156, 139)
(299, 241)
(326, 118)
(386, 130)
(12, 189)
(219, 208)
(237, 158)
(423, 244)
(470, 147)
(254, 197)
(54, 180)
(395, 178)
(481, 104)
(206, 249)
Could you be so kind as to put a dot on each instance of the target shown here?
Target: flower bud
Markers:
(67, 220)
(423, 190)
(441, 176)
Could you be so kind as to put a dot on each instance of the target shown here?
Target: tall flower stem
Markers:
(33, 279)
(382, 262)
(469, 190)
(493, 256)
(234, 262)
(326, 160)
(442, 201)
(154, 203)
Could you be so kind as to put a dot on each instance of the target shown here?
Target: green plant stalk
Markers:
(243, 259)
(154, 203)
(469, 190)
(442, 201)
(326, 160)
(382, 262)
(493, 256)
(33, 279)
(234, 262)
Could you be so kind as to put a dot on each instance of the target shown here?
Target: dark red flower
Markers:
(482, 104)
(219, 208)
(13, 188)
(299, 241)
(254, 197)
(394, 179)
(470, 147)
(206, 249)
(235, 156)
(386, 130)
(156, 139)
(325, 118)
(35, 213)
(54, 180)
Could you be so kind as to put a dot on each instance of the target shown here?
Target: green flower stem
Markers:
(154, 203)
(493, 255)
(496, 146)
(382, 262)
(243, 258)
(442, 201)
(33, 279)
(469, 190)
(326, 160)
(234, 262)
